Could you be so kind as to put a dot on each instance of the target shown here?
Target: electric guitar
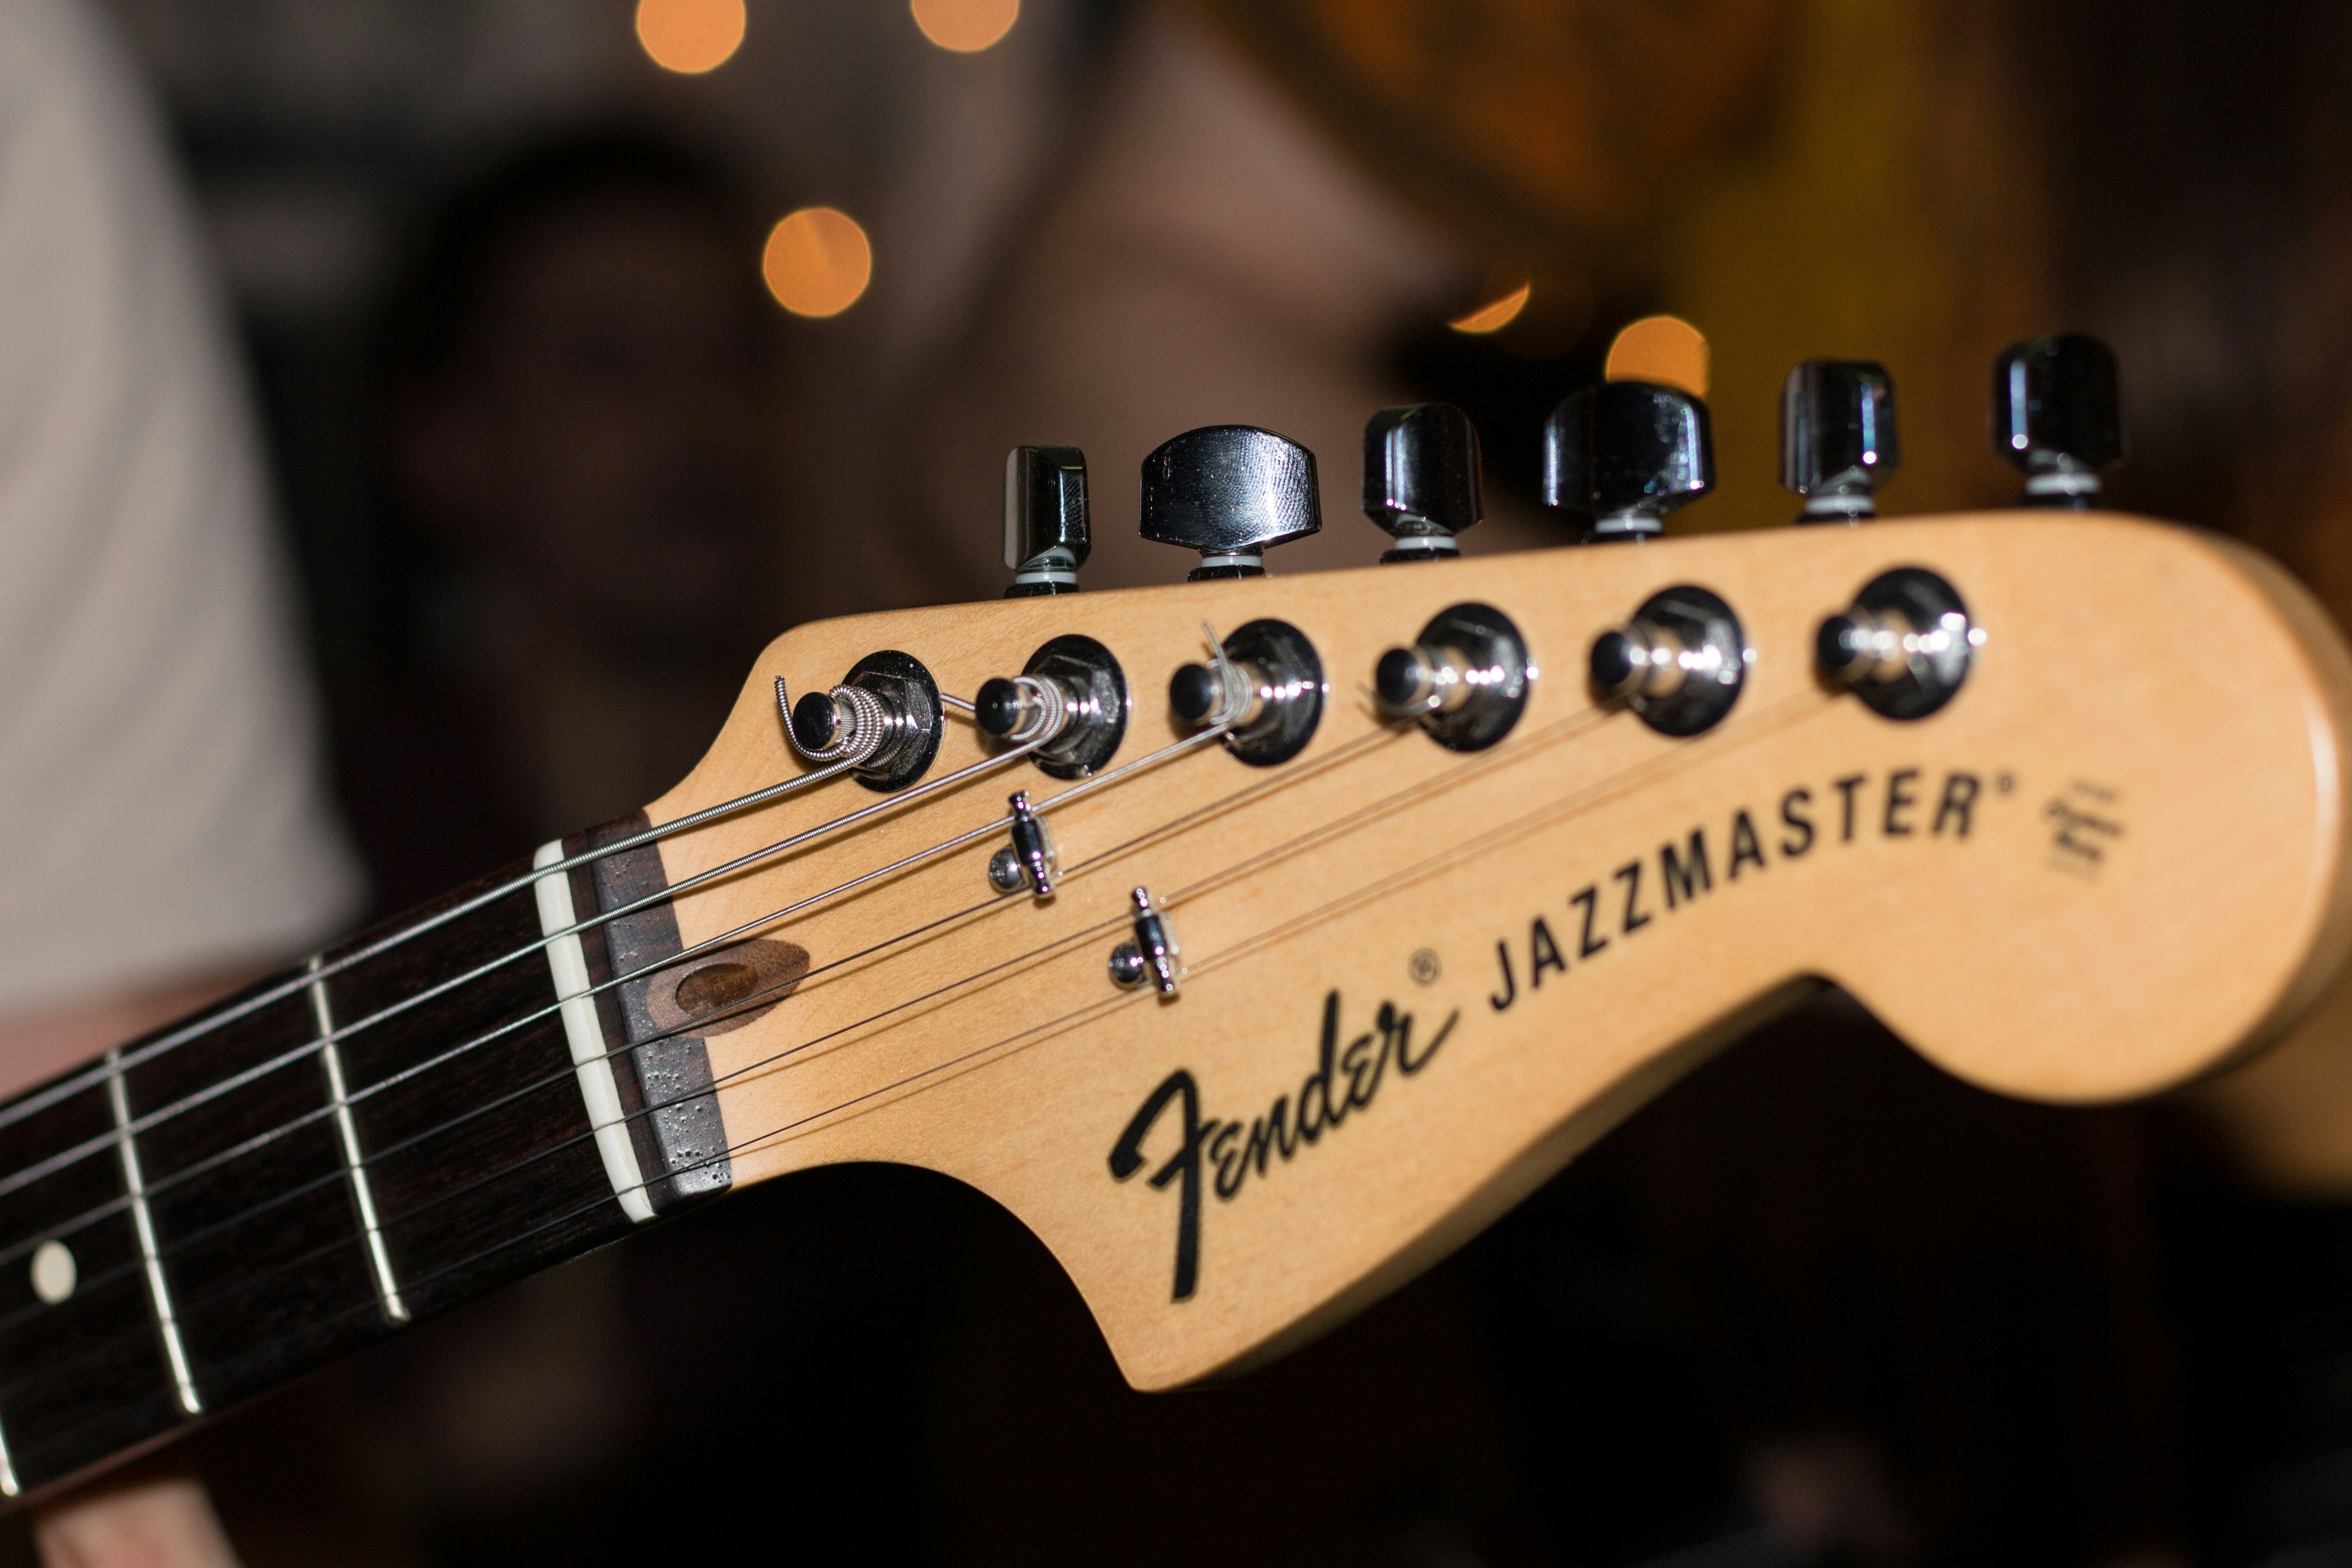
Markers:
(1255, 940)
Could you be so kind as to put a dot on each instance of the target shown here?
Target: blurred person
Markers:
(168, 835)
(578, 390)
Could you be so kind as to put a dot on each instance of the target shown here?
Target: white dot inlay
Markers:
(53, 1271)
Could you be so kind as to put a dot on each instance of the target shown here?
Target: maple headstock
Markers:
(1415, 979)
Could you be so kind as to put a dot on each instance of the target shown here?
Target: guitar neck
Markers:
(445, 1103)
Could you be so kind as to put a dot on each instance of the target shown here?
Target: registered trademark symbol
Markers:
(1422, 966)
(2005, 783)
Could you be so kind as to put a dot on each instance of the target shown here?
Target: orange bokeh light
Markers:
(818, 262)
(1666, 350)
(967, 27)
(690, 36)
(1496, 314)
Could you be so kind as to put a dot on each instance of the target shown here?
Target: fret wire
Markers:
(41, 1100)
(1527, 822)
(158, 1292)
(396, 1311)
(20, 1178)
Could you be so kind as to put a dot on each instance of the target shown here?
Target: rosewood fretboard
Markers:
(184, 1228)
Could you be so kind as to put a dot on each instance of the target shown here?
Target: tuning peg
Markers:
(1045, 538)
(1421, 479)
(2056, 418)
(1626, 453)
(1232, 492)
(1837, 438)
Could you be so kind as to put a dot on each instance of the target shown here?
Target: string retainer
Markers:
(1152, 954)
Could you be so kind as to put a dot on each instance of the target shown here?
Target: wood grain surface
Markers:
(2114, 862)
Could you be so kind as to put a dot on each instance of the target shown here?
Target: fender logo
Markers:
(1343, 1081)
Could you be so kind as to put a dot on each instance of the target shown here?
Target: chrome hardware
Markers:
(1263, 686)
(1838, 445)
(1004, 871)
(1046, 537)
(1465, 679)
(1031, 852)
(1071, 704)
(1421, 479)
(1152, 954)
(883, 720)
(1904, 646)
(1679, 663)
(2056, 419)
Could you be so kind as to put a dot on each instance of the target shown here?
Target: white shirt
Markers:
(162, 813)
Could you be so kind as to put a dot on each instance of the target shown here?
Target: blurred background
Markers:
(597, 342)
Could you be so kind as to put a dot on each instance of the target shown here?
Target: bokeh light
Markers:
(967, 27)
(690, 36)
(818, 262)
(1666, 350)
(1496, 314)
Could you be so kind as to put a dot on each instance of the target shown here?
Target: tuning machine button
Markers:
(1421, 479)
(1152, 954)
(2056, 417)
(1046, 537)
(1465, 679)
(1624, 454)
(883, 720)
(1263, 686)
(1838, 444)
(1679, 663)
(1070, 702)
(1232, 492)
(1904, 646)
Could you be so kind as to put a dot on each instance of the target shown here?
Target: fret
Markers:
(331, 1056)
(142, 1220)
(215, 1218)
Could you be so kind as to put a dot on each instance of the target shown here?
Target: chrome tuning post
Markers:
(1902, 646)
(883, 720)
(1070, 703)
(1028, 862)
(1679, 663)
(1464, 679)
(1152, 954)
(1263, 687)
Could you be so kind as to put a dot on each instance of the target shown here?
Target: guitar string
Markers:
(26, 1176)
(98, 1145)
(1788, 711)
(1597, 793)
(302, 977)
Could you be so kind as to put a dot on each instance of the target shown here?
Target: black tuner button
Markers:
(1837, 438)
(1679, 663)
(1623, 454)
(1232, 492)
(1265, 691)
(2056, 417)
(1464, 679)
(1421, 479)
(1069, 706)
(1904, 646)
(1045, 538)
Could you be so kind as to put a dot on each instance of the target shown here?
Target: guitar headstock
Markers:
(1414, 977)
